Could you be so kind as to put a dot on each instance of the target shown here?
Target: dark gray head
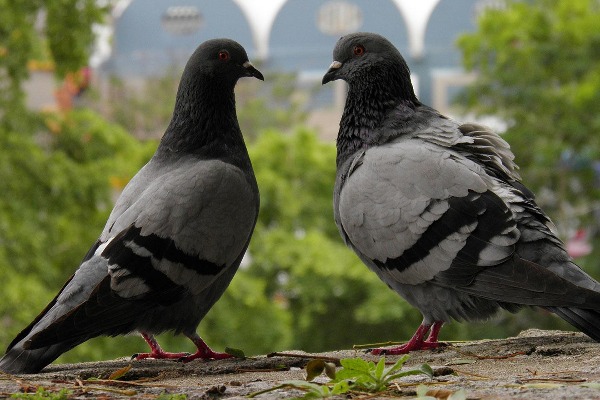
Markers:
(221, 59)
(205, 104)
(367, 59)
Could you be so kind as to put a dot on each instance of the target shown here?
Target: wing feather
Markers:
(415, 208)
(162, 244)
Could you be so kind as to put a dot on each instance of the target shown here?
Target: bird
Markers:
(437, 208)
(176, 235)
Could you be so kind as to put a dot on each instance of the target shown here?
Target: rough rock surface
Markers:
(536, 364)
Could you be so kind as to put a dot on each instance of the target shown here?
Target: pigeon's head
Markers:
(365, 59)
(220, 59)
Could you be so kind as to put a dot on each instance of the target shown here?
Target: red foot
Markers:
(204, 352)
(160, 355)
(407, 348)
(417, 342)
(156, 351)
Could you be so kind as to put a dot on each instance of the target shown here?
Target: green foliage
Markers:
(538, 67)
(296, 176)
(68, 31)
(235, 352)
(275, 104)
(316, 367)
(312, 390)
(370, 377)
(356, 375)
(43, 394)
(58, 191)
(60, 173)
(245, 317)
(168, 396)
(16, 46)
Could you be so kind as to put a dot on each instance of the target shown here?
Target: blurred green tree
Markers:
(60, 171)
(64, 41)
(538, 66)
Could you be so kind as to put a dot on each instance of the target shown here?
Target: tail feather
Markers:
(587, 321)
(18, 360)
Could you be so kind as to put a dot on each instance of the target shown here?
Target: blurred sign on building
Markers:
(339, 18)
(181, 20)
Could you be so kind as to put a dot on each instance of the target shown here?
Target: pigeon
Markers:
(437, 208)
(176, 235)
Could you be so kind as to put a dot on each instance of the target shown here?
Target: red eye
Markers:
(359, 50)
(223, 55)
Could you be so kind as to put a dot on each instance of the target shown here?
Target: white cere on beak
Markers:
(335, 65)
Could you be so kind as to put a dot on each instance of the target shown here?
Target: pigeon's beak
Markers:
(331, 74)
(251, 71)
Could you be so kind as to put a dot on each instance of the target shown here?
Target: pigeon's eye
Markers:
(359, 50)
(223, 55)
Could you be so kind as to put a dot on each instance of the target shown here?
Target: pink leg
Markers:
(417, 342)
(435, 331)
(204, 352)
(156, 351)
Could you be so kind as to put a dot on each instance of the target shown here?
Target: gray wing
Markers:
(412, 215)
(417, 212)
(198, 214)
(175, 238)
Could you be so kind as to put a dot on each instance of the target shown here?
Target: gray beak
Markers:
(251, 71)
(331, 74)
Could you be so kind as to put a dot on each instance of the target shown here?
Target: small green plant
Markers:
(356, 375)
(44, 394)
(167, 396)
(316, 367)
(370, 377)
(313, 390)
(235, 352)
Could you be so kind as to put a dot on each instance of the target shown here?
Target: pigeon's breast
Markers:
(393, 196)
(207, 207)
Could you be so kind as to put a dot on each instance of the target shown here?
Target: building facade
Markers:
(150, 36)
